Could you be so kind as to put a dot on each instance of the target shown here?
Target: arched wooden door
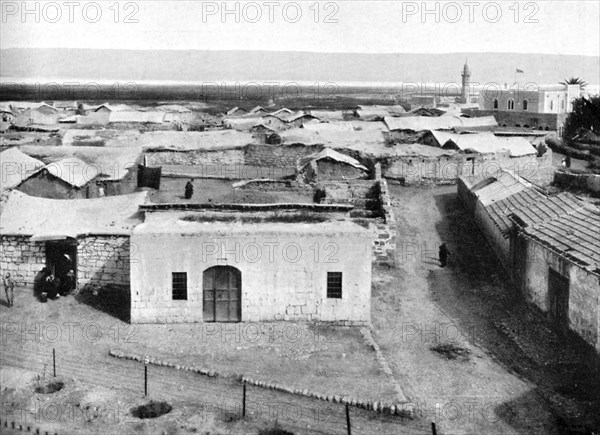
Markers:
(222, 294)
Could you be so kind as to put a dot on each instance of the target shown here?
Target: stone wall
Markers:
(101, 260)
(539, 121)
(278, 155)
(22, 259)
(104, 260)
(439, 170)
(584, 290)
(233, 156)
(360, 193)
(331, 170)
(384, 244)
(283, 273)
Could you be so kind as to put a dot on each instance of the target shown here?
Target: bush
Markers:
(151, 409)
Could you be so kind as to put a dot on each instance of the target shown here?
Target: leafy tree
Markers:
(585, 116)
(574, 81)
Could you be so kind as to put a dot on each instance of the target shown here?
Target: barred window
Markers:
(180, 286)
(334, 285)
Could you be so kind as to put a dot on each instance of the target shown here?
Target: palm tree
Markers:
(574, 81)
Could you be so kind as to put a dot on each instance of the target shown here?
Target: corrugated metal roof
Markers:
(499, 211)
(503, 185)
(548, 208)
(532, 208)
(575, 235)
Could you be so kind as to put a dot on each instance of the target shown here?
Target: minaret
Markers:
(466, 80)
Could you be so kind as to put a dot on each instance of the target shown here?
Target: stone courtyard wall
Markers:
(414, 170)
(234, 156)
(104, 260)
(384, 243)
(22, 259)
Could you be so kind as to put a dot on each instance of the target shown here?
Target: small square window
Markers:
(180, 286)
(334, 285)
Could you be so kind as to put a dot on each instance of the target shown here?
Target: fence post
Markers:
(433, 429)
(348, 419)
(54, 361)
(146, 361)
(244, 402)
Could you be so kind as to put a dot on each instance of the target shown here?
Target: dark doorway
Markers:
(222, 294)
(471, 165)
(558, 298)
(61, 257)
(519, 256)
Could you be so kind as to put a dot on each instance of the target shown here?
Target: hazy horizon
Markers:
(202, 66)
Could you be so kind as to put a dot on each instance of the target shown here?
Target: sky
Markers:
(551, 27)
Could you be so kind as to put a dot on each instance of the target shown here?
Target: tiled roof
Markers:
(499, 211)
(531, 208)
(575, 235)
(497, 188)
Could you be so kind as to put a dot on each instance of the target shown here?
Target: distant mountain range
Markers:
(203, 66)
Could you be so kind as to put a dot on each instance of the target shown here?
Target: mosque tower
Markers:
(466, 81)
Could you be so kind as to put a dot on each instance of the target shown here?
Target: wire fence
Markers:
(191, 394)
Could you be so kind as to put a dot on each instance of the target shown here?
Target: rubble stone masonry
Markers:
(22, 259)
(104, 260)
(384, 244)
(101, 260)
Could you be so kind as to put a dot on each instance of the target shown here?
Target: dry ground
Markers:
(82, 329)
(516, 375)
(463, 345)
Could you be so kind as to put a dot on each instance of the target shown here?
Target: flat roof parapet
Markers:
(248, 207)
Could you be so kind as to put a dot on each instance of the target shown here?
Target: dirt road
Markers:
(519, 376)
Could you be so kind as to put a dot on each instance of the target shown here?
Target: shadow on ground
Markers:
(112, 300)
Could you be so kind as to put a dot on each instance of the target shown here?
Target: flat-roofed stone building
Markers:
(198, 266)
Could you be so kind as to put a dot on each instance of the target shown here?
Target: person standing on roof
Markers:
(189, 189)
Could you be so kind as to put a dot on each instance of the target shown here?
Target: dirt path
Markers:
(420, 304)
